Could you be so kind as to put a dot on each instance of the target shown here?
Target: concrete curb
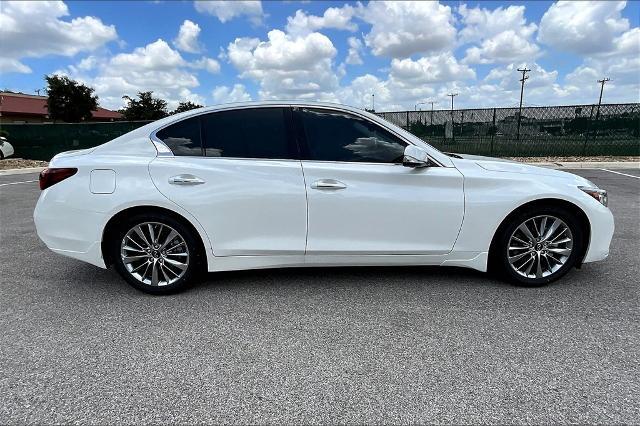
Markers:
(21, 171)
(590, 165)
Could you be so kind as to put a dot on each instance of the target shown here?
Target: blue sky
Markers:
(403, 52)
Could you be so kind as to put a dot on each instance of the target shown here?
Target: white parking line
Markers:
(15, 183)
(623, 174)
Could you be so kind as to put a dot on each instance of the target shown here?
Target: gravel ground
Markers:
(347, 345)
(19, 163)
(571, 159)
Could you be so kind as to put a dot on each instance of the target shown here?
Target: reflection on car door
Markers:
(361, 200)
(251, 200)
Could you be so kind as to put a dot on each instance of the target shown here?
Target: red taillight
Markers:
(49, 177)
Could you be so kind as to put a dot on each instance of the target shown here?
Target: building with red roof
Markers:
(22, 108)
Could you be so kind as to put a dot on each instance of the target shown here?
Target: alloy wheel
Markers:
(540, 246)
(155, 254)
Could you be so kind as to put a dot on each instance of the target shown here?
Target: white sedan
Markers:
(6, 149)
(290, 184)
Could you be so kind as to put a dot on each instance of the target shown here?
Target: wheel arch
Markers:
(112, 224)
(583, 219)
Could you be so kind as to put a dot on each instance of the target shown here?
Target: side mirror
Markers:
(415, 157)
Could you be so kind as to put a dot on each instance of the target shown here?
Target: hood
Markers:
(508, 166)
(478, 157)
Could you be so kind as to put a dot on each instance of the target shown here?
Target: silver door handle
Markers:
(328, 184)
(185, 180)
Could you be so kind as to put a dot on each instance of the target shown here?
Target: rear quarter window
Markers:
(183, 137)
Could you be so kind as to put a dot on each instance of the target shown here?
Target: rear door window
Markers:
(248, 133)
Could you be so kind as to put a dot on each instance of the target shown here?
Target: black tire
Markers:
(500, 253)
(195, 257)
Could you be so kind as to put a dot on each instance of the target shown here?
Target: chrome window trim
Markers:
(155, 139)
(161, 147)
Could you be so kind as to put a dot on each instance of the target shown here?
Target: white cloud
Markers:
(154, 56)
(334, 17)
(287, 66)
(358, 93)
(88, 63)
(431, 69)
(628, 44)
(400, 29)
(508, 77)
(34, 29)
(409, 81)
(503, 34)
(8, 65)
(224, 94)
(187, 39)
(208, 64)
(228, 10)
(481, 24)
(155, 67)
(390, 94)
(504, 47)
(355, 47)
(582, 27)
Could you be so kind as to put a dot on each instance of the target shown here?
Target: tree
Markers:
(69, 100)
(146, 107)
(185, 106)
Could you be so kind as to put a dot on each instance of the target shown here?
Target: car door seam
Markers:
(183, 210)
(306, 196)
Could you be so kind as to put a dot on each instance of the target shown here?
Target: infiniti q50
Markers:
(290, 184)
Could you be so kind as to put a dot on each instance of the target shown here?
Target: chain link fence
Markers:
(41, 141)
(574, 130)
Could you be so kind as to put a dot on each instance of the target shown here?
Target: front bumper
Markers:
(602, 228)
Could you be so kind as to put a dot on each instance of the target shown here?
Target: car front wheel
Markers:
(538, 247)
(155, 253)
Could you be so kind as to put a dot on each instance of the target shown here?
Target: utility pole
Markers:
(602, 82)
(373, 102)
(432, 102)
(453, 134)
(524, 72)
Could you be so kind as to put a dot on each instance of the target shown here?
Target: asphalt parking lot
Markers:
(348, 345)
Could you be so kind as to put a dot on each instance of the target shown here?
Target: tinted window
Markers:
(246, 133)
(337, 136)
(183, 137)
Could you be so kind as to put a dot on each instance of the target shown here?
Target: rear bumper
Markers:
(69, 231)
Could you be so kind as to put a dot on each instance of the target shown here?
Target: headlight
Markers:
(599, 194)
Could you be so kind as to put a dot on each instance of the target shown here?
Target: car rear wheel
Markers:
(155, 253)
(538, 247)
